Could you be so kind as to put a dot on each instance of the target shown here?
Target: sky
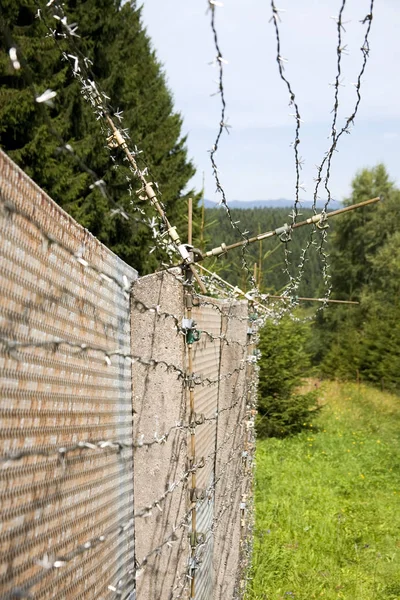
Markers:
(255, 160)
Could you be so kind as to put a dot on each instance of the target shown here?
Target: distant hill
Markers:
(280, 203)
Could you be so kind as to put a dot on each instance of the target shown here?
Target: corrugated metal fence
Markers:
(96, 427)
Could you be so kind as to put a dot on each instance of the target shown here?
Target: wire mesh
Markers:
(66, 413)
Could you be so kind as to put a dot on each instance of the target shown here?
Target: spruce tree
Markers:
(35, 135)
(364, 341)
(359, 234)
(284, 362)
(380, 340)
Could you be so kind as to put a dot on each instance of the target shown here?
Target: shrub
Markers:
(284, 362)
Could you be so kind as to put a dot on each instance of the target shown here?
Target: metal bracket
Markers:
(196, 419)
(196, 538)
(185, 252)
(187, 324)
(216, 251)
(197, 254)
(323, 222)
(192, 380)
(189, 301)
(284, 233)
(192, 334)
(194, 463)
(194, 564)
(197, 494)
(116, 140)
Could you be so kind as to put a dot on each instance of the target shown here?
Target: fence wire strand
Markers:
(324, 169)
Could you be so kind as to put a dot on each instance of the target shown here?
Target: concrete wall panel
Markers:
(160, 404)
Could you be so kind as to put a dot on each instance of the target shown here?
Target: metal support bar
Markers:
(235, 289)
(190, 221)
(194, 492)
(117, 139)
(319, 219)
(303, 299)
(248, 431)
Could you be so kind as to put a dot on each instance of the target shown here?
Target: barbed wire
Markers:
(340, 49)
(215, 291)
(98, 182)
(275, 19)
(218, 286)
(52, 561)
(335, 136)
(65, 455)
(124, 285)
(61, 452)
(147, 510)
(326, 163)
(210, 491)
(54, 345)
(9, 208)
(223, 125)
(11, 347)
(166, 236)
(216, 521)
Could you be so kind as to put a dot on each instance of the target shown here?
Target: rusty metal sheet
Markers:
(66, 491)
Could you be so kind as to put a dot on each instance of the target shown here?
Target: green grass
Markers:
(328, 503)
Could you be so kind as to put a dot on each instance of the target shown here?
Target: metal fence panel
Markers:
(230, 464)
(205, 575)
(206, 361)
(65, 402)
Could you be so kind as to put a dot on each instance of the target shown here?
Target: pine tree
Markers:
(35, 135)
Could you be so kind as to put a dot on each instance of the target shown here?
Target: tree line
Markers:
(268, 255)
(363, 342)
(358, 342)
(37, 136)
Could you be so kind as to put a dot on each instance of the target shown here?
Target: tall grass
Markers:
(328, 503)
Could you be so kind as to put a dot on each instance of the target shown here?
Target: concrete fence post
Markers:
(160, 453)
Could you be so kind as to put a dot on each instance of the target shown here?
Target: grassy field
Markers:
(328, 503)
